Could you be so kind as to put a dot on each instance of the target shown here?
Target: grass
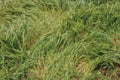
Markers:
(59, 40)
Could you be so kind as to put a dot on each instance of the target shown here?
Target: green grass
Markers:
(60, 40)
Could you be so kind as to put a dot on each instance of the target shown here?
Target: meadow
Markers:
(59, 40)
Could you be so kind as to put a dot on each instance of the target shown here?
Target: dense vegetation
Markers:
(59, 39)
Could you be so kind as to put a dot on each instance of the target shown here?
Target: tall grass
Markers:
(59, 40)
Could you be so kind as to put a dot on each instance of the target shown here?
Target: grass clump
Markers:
(59, 40)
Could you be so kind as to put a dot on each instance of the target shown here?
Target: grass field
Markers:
(59, 40)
